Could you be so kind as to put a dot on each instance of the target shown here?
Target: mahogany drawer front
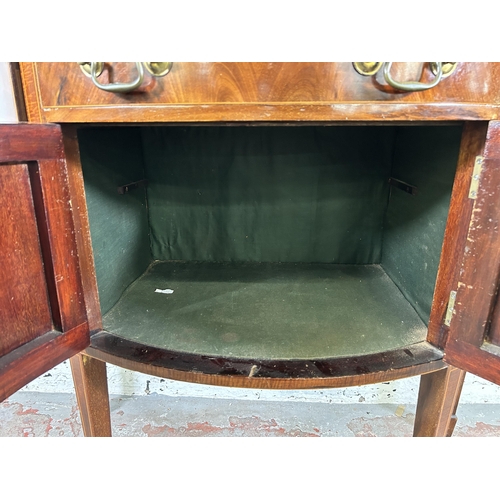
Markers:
(207, 92)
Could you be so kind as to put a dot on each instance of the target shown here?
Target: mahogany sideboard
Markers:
(265, 225)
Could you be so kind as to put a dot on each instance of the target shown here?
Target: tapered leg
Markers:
(437, 402)
(91, 385)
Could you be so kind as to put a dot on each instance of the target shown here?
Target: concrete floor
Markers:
(147, 406)
(56, 415)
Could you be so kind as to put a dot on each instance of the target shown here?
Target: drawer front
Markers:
(258, 91)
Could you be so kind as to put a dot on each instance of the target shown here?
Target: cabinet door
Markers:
(473, 342)
(42, 312)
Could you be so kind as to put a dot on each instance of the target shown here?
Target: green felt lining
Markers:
(414, 226)
(267, 194)
(266, 311)
(112, 157)
(248, 195)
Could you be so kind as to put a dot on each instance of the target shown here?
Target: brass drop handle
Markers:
(412, 86)
(439, 69)
(94, 70)
(118, 87)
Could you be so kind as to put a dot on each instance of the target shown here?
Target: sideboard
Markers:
(280, 225)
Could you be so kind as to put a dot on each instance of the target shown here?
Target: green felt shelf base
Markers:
(266, 311)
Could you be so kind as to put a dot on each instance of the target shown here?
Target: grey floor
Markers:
(147, 406)
(56, 415)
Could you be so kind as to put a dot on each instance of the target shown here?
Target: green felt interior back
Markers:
(425, 157)
(267, 194)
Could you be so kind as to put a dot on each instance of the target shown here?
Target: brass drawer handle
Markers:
(94, 70)
(118, 87)
(412, 86)
(439, 69)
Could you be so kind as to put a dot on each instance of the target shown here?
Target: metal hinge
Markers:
(451, 308)
(476, 175)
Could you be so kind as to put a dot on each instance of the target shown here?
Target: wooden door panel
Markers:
(474, 324)
(25, 311)
(42, 310)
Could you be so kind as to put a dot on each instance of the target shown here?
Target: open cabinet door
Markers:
(473, 316)
(42, 310)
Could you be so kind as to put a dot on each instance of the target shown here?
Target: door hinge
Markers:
(451, 308)
(476, 175)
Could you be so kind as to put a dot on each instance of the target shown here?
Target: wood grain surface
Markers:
(23, 142)
(42, 313)
(267, 374)
(296, 93)
(224, 92)
(29, 361)
(24, 304)
(53, 207)
(473, 359)
(438, 398)
(478, 278)
(82, 229)
(91, 385)
(457, 226)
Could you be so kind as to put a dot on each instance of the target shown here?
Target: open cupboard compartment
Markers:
(284, 246)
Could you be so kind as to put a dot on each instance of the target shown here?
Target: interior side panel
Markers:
(112, 157)
(426, 158)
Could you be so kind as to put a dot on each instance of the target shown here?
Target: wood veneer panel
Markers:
(52, 205)
(474, 360)
(91, 385)
(480, 266)
(34, 358)
(31, 94)
(266, 374)
(437, 402)
(17, 86)
(82, 229)
(223, 113)
(259, 91)
(54, 209)
(24, 305)
(478, 279)
(494, 333)
(64, 84)
(39, 234)
(23, 142)
(457, 226)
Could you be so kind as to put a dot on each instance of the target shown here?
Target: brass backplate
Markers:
(158, 68)
(367, 68)
(85, 67)
(448, 68)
